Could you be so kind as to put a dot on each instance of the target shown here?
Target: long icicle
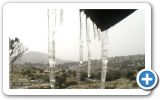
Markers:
(95, 30)
(51, 44)
(81, 37)
(104, 47)
(81, 15)
(88, 45)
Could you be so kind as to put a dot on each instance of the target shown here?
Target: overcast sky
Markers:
(30, 24)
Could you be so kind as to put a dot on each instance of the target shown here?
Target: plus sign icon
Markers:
(147, 79)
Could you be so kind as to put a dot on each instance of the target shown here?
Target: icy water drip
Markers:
(104, 47)
(95, 30)
(88, 40)
(82, 15)
(55, 18)
(51, 44)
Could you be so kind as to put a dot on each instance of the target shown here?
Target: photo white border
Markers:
(144, 6)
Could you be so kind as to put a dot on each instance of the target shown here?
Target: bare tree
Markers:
(16, 50)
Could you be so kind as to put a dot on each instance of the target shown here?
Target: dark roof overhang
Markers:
(106, 18)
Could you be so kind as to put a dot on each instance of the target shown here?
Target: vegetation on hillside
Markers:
(121, 74)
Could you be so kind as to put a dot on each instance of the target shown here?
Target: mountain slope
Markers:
(37, 57)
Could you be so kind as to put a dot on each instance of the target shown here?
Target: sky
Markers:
(30, 24)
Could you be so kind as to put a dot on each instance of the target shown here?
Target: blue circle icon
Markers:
(146, 79)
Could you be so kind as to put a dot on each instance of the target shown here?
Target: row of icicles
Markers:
(55, 18)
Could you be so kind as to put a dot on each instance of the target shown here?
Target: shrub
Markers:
(98, 75)
(113, 75)
(27, 72)
(83, 76)
(71, 83)
(93, 76)
(131, 75)
(60, 80)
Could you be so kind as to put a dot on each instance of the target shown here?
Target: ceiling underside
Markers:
(106, 18)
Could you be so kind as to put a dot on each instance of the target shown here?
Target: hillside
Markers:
(121, 74)
(34, 57)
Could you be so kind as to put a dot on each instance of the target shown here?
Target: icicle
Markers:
(81, 17)
(81, 37)
(104, 47)
(61, 16)
(99, 34)
(51, 44)
(88, 21)
(95, 30)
